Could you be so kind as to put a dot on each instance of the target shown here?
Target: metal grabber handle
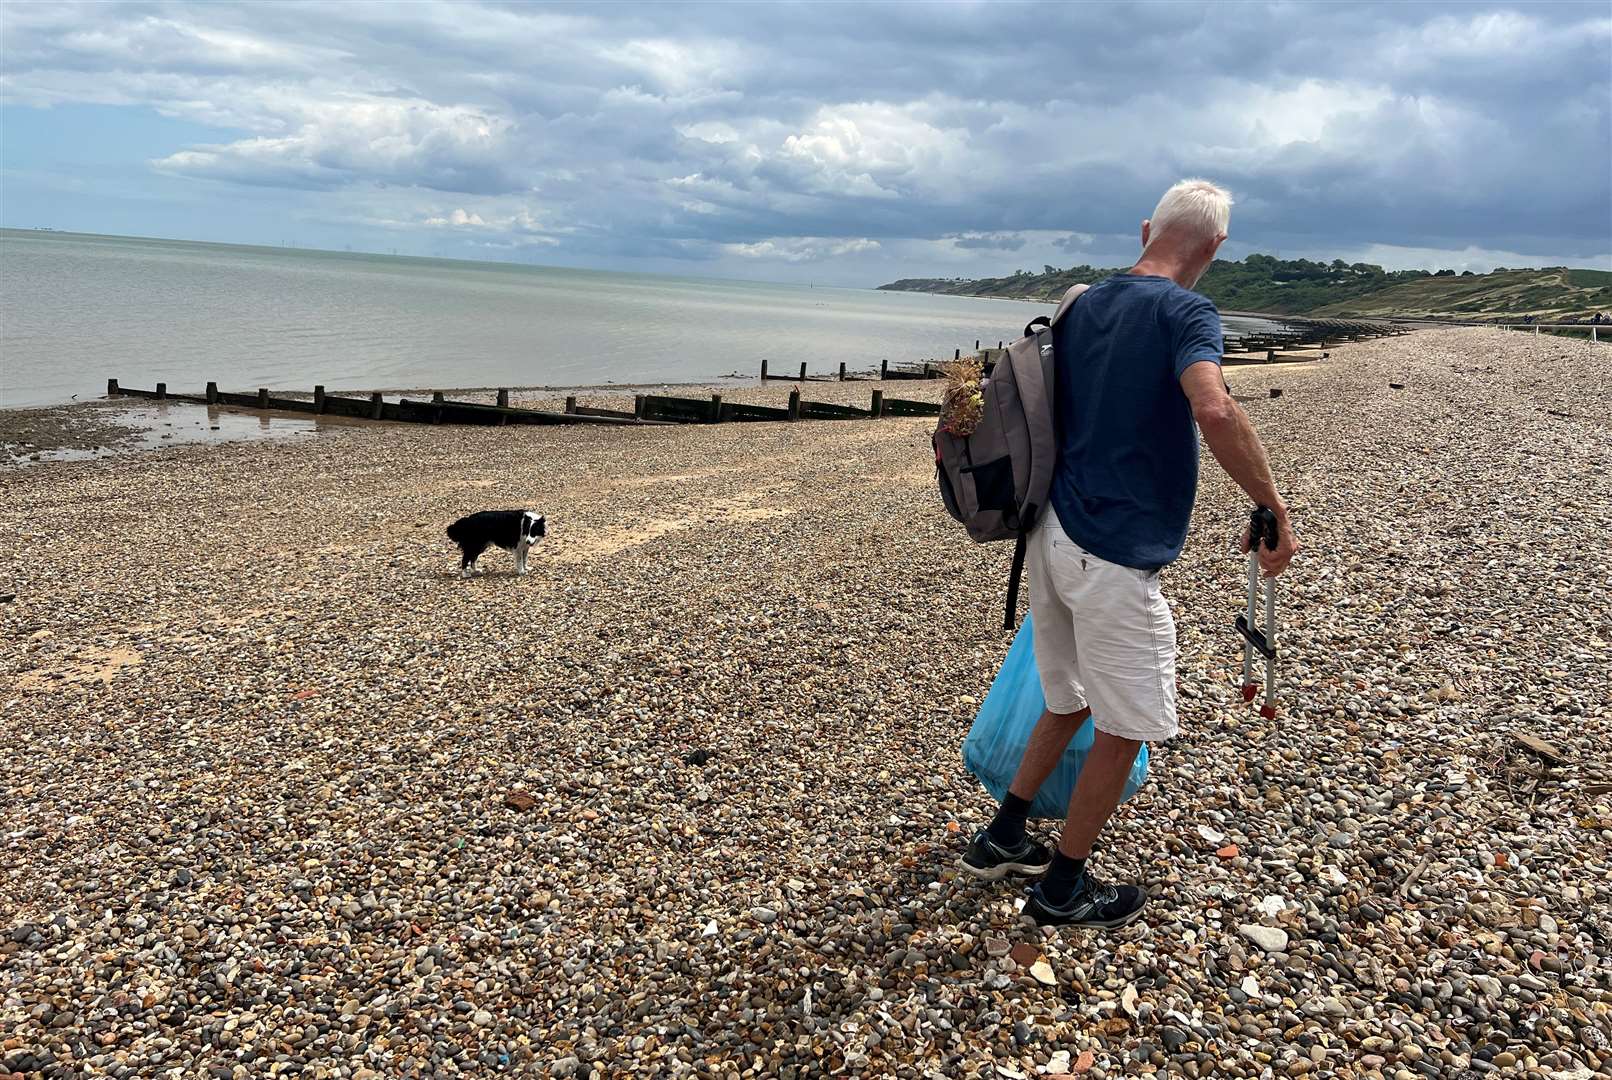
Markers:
(1262, 530)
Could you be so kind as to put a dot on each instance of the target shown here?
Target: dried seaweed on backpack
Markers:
(964, 400)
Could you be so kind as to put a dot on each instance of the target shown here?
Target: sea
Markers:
(76, 310)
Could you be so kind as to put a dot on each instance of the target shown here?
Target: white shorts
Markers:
(1103, 637)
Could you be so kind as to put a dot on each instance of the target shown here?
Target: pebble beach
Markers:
(285, 797)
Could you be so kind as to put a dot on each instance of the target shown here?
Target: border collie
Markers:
(512, 530)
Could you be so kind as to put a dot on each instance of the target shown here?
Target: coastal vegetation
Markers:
(1262, 283)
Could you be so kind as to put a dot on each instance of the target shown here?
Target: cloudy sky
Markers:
(848, 143)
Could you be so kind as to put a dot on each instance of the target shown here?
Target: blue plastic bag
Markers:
(1002, 729)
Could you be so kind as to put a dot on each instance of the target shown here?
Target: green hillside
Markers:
(1551, 294)
(1261, 283)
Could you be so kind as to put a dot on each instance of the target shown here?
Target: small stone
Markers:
(1269, 938)
(1024, 954)
(520, 800)
(763, 915)
(1041, 972)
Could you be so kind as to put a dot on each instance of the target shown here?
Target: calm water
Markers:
(76, 310)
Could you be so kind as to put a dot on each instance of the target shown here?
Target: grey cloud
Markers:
(989, 241)
(1335, 125)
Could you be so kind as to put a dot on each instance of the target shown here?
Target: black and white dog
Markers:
(512, 530)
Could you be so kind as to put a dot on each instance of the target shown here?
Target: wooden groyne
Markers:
(1295, 341)
(647, 408)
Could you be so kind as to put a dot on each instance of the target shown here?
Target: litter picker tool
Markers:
(1261, 530)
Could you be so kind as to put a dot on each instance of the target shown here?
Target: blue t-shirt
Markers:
(1127, 470)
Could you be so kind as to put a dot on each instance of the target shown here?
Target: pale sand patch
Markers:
(86, 665)
(744, 507)
(669, 478)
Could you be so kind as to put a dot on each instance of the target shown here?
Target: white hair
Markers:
(1195, 209)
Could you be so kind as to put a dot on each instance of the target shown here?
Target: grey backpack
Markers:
(995, 479)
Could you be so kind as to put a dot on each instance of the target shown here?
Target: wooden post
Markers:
(162, 391)
(571, 405)
(716, 408)
(436, 397)
(436, 412)
(1536, 329)
(639, 403)
(976, 344)
(212, 393)
(763, 369)
(803, 371)
(842, 371)
(884, 370)
(375, 404)
(1270, 355)
(318, 399)
(794, 405)
(998, 346)
(877, 408)
(1276, 391)
(1593, 339)
(957, 354)
(111, 388)
(262, 398)
(503, 399)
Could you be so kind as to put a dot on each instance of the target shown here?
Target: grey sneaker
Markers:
(990, 861)
(1093, 904)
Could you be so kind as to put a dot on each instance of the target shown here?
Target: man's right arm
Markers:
(1232, 440)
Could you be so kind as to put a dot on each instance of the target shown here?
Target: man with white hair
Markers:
(1138, 376)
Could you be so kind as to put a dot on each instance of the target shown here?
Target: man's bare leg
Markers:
(1097, 792)
(1047, 743)
(1067, 895)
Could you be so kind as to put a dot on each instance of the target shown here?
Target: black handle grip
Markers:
(1262, 527)
(1029, 327)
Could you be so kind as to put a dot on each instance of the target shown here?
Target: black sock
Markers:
(1007, 827)
(1058, 885)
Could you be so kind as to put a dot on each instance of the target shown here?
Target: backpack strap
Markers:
(1066, 303)
(1035, 383)
(1012, 615)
